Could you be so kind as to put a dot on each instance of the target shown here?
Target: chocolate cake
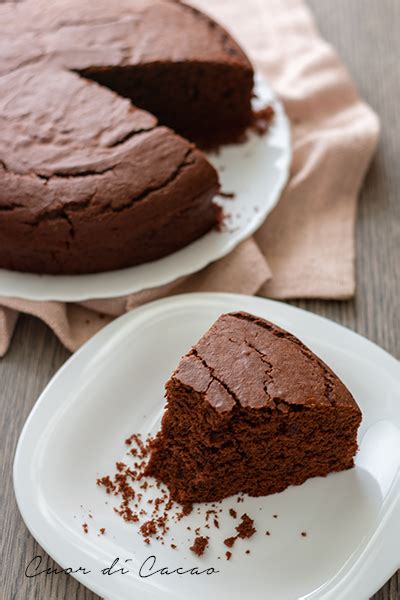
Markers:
(251, 409)
(90, 181)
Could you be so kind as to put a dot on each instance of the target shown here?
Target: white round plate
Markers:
(255, 171)
(114, 387)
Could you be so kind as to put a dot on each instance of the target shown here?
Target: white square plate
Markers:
(114, 386)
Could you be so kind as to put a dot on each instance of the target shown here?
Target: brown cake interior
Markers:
(207, 103)
(256, 451)
(213, 443)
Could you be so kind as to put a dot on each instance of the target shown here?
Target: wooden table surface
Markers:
(366, 34)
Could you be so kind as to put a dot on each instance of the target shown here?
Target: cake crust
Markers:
(239, 343)
(123, 33)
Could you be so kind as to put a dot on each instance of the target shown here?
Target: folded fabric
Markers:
(306, 246)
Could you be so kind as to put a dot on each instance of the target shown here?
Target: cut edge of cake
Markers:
(251, 409)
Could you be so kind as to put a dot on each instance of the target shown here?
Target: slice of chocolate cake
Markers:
(251, 409)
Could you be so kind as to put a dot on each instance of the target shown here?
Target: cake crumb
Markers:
(148, 528)
(186, 510)
(233, 513)
(85, 527)
(199, 545)
(228, 555)
(230, 541)
(304, 533)
(102, 530)
(228, 195)
(262, 119)
(246, 527)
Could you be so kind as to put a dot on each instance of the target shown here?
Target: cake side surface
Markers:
(246, 414)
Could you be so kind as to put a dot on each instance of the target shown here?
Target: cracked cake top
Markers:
(75, 126)
(283, 372)
(99, 34)
(80, 145)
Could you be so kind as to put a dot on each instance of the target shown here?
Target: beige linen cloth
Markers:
(306, 246)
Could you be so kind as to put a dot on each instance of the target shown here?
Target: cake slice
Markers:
(251, 409)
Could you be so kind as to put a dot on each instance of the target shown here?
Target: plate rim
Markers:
(390, 364)
(129, 286)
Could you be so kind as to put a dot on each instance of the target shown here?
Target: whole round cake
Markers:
(94, 99)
